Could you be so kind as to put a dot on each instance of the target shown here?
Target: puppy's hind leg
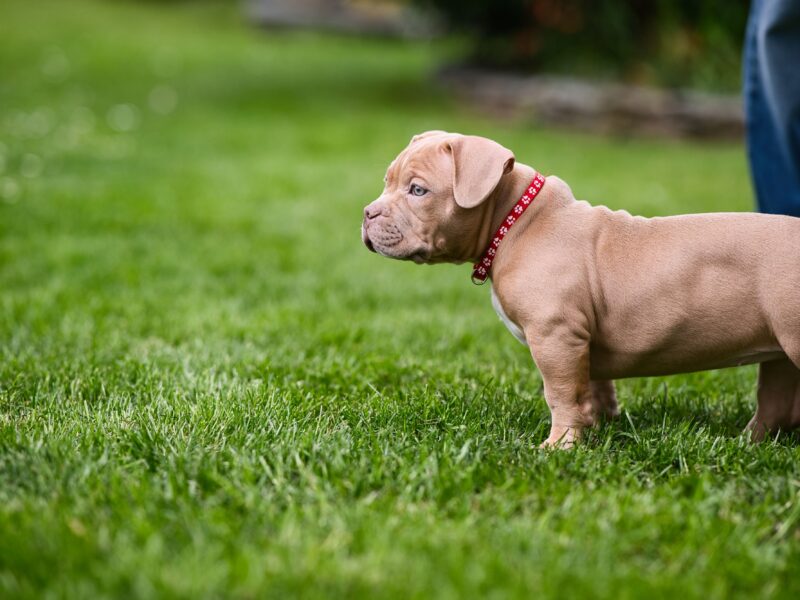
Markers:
(604, 398)
(778, 399)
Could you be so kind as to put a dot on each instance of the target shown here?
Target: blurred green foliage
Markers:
(666, 42)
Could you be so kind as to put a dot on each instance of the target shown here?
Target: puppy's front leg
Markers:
(564, 365)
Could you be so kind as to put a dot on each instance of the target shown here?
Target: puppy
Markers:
(597, 294)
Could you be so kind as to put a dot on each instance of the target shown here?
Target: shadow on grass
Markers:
(705, 405)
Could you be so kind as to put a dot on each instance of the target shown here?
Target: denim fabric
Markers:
(772, 103)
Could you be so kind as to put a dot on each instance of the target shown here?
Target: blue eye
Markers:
(417, 190)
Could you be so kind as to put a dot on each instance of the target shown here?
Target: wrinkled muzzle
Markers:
(378, 231)
(383, 236)
(389, 236)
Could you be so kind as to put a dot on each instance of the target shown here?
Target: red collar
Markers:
(480, 272)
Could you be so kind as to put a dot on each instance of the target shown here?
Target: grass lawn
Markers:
(209, 388)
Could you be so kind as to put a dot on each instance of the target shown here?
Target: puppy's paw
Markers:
(561, 437)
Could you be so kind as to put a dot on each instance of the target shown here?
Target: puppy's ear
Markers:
(478, 165)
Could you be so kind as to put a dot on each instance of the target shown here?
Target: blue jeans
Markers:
(772, 103)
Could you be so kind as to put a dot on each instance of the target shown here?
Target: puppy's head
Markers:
(433, 201)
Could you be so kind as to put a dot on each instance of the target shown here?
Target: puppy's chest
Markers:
(515, 329)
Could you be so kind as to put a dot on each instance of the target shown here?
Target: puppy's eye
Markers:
(417, 190)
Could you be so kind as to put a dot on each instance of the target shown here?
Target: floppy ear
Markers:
(478, 165)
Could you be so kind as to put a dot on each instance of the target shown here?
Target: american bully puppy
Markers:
(597, 294)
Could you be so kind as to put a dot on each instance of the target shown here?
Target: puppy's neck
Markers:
(500, 203)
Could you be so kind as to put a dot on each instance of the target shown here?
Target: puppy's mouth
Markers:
(383, 239)
(366, 240)
(420, 257)
(388, 241)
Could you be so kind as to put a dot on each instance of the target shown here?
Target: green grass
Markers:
(209, 388)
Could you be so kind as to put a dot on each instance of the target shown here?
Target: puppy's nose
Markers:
(372, 210)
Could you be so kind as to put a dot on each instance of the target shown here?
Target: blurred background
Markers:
(609, 66)
(656, 42)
